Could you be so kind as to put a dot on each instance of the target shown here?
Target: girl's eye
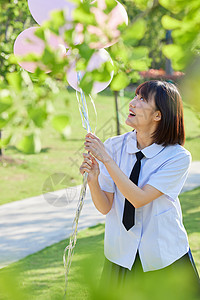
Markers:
(140, 98)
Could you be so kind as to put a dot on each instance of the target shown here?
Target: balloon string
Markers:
(83, 114)
(73, 238)
(92, 101)
(83, 108)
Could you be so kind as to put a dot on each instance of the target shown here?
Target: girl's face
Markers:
(142, 113)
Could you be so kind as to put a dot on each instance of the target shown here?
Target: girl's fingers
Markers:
(81, 171)
(87, 160)
(88, 155)
(84, 169)
(85, 164)
(90, 140)
(94, 161)
(90, 134)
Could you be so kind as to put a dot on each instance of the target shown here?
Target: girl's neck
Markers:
(143, 140)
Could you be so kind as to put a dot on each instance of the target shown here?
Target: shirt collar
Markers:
(148, 152)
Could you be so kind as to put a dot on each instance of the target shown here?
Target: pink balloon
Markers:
(107, 23)
(97, 59)
(27, 43)
(41, 9)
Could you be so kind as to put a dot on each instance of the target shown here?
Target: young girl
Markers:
(135, 180)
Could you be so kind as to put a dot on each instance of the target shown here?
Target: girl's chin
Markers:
(127, 122)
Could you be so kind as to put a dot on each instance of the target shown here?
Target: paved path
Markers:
(32, 224)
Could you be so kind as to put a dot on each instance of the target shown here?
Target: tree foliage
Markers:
(154, 37)
(183, 18)
(14, 18)
(27, 100)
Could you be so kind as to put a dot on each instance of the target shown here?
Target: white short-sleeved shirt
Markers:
(158, 233)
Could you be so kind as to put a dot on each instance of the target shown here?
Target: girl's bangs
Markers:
(144, 90)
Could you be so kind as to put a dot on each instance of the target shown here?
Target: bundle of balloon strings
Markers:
(69, 250)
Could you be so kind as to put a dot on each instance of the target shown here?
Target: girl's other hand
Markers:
(95, 146)
(91, 166)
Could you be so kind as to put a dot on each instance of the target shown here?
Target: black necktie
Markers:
(129, 209)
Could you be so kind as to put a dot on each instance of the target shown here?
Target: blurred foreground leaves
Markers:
(27, 100)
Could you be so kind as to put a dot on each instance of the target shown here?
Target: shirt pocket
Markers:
(166, 211)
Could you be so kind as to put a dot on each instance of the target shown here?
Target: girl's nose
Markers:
(132, 103)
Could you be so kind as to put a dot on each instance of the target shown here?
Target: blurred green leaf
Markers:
(176, 54)
(83, 15)
(5, 118)
(12, 59)
(170, 23)
(30, 144)
(5, 100)
(68, 36)
(40, 33)
(38, 115)
(3, 122)
(60, 122)
(172, 50)
(139, 65)
(174, 6)
(143, 4)
(81, 64)
(139, 52)
(56, 22)
(85, 51)
(190, 86)
(101, 76)
(134, 32)
(110, 5)
(86, 83)
(103, 73)
(15, 80)
(119, 82)
(4, 105)
(134, 76)
(58, 18)
(31, 57)
(48, 57)
(120, 52)
(109, 66)
(4, 142)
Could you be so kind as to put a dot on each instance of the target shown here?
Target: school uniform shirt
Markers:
(158, 234)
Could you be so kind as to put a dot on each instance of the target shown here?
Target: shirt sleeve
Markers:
(171, 176)
(105, 180)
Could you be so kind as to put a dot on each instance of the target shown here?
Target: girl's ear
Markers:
(157, 116)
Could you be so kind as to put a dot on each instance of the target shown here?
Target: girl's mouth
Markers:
(131, 114)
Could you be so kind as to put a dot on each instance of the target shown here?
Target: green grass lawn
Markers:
(41, 275)
(25, 175)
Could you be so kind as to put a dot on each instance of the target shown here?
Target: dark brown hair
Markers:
(170, 129)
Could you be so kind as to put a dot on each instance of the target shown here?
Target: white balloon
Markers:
(97, 59)
(41, 9)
